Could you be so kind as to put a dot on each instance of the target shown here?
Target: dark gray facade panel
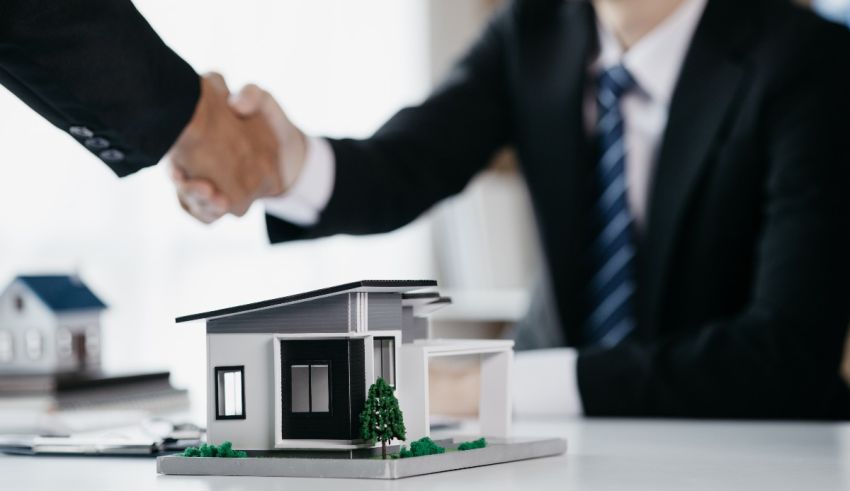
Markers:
(336, 423)
(385, 312)
(357, 387)
(323, 315)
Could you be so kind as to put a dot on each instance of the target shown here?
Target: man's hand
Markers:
(207, 200)
(223, 161)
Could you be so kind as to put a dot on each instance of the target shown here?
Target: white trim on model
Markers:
(496, 360)
(362, 312)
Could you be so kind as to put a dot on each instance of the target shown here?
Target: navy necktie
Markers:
(611, 287)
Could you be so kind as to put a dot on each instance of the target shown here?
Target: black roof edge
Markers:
(308, 295)
(408, 296)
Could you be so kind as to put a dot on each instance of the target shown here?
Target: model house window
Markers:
(34, 344)
(63, 342)
(7, 350)
(92, 342)
(385, 359)
(230, 392)
(19, 303)
(311, 388)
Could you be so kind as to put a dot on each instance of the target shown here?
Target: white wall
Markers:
(254, 351)
(80, 322)
(35, 316)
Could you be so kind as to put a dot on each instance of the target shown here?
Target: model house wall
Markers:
(259, 397)
(294, 372)
(78, 340)
(254, 352)
(27, 328)
(49, 324)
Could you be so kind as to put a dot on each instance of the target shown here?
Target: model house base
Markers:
(288, 380)
(362, 466)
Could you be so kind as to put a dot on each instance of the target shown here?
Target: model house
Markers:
(49, 324)
(293, 372)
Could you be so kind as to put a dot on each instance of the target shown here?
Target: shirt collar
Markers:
(656, 60)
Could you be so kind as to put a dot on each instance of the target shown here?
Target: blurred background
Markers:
(339, 68)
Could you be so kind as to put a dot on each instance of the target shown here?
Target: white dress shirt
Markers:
(654, 62)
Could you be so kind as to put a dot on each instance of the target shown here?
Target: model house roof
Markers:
(378, 286)
(424, 303)
(62, 292)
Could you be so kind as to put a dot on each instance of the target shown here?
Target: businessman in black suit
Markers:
(699, 254)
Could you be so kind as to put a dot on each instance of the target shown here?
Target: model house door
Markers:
(322, 387)
(78, 346)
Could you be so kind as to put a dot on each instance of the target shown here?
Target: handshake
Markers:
(236, 149)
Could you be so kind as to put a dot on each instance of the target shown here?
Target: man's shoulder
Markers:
(785, 22)
(524, 18)
(793, 38)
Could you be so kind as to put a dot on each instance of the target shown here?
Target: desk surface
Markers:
(601, 455)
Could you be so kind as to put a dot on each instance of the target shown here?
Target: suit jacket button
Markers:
(97, 143)
(112, 155)
(80, 131)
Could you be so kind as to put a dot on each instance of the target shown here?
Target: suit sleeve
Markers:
(97, 70)
(779, 357)
(422, 154)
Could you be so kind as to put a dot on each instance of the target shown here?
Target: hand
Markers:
(201, 198)
(224, 160)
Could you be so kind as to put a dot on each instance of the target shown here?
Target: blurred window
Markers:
(63, 343)
(34, 344)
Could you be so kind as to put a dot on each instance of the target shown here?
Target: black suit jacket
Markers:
(743, 266)
(96, 69)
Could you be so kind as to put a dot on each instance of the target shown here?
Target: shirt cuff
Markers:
(309, 195)
(545, 383)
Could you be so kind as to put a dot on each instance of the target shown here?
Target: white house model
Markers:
(293, 372)
(49, 324)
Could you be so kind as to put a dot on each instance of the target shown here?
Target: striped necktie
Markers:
(612, 252)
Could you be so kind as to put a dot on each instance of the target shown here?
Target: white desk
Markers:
(602, 455)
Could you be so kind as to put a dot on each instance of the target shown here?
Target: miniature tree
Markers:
(381, 419)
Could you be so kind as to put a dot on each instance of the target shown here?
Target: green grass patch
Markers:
(419, 448)
(225, 450)
(480, 443)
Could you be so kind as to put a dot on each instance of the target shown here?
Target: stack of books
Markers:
(47, 403)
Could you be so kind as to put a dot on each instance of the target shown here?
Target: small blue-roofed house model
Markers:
(49, 324)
